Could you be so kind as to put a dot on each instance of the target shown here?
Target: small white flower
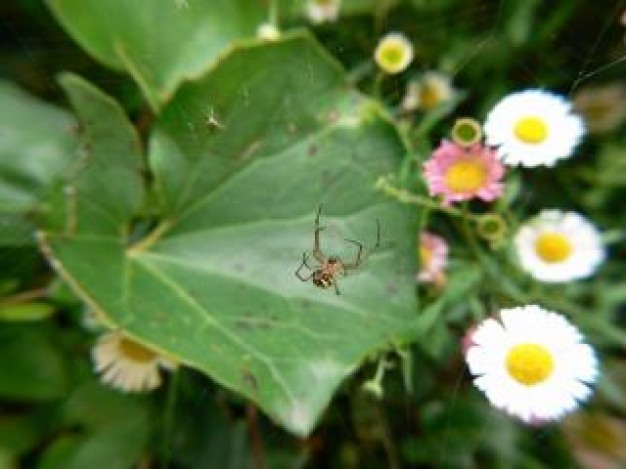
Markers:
(320, 11)
(127, 365)
(533, 128)
(394, 53)
(433, 89)
(531, 363)
(602, 107)
(268, 32)
(559, 246)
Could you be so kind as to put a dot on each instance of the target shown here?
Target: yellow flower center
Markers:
(465, 176)
(392, 54)
(531, 130)
(429, 96)
(553, 247)
(135, 352)
(529, 364)
(425, 256)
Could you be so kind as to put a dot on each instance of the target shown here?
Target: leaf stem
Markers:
(145, 243)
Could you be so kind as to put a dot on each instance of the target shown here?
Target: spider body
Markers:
(325, 274)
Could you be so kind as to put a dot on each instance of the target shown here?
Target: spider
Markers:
(325, 273)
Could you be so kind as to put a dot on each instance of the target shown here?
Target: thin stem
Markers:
(256, 442)
(168, 419)
(273, 12)
(25, 296)
(468, 232)
(386, 438)
(409, 198)
(378, 84)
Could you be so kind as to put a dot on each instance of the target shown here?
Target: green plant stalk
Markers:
(168, 418)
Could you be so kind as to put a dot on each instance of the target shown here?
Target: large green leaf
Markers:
(36, 147)
(158, 42)
(214, 284)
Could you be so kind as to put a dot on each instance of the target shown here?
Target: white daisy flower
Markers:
(320, 11)
(128, 365)
(533, 128)
(559, 246)
(602, 107)
(427, 93)
(531, 363)
(394, 53)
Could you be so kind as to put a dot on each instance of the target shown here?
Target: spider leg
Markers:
(317, 250)
(377, 245)
(353, 265)
(304, 264)
(346, 266)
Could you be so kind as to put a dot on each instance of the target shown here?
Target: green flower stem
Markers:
(168, 417)
(378, 86)
(407, 197)
(273, 12)
(469, 234)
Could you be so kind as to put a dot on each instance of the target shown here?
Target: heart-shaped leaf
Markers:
(158, 42)
(242, 159)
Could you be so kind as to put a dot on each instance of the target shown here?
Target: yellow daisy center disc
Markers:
(425, 256)
(529, 364)
(135, 352)
(465, 176)
(553, 247)
(391, 55)
(531, 130)
(430, 96)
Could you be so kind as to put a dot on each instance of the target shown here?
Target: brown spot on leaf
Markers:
(249, 379)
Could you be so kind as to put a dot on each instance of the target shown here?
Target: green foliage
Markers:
(159, 44)
(36, 147)
(212, 285)
(34, 369)
(174, 201)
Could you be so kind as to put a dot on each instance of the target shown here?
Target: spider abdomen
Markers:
(322, 279)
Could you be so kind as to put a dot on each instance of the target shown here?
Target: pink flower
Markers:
(433, 257)
(460, 173)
